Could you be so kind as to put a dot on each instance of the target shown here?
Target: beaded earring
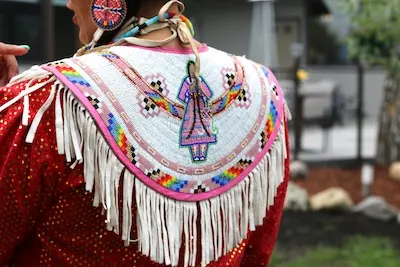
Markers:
(108, 15)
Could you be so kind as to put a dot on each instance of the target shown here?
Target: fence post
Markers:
(360, 111)
(298, 109)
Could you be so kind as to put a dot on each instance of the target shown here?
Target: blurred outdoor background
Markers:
(338, 62)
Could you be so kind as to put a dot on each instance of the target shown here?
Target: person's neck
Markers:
(149, 11)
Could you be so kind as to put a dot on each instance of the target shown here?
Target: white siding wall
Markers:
(226, 27)
(226, 24)
(289, 8)
(292, 11)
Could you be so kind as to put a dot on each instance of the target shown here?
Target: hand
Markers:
(8, 62)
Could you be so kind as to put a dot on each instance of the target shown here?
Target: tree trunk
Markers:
(389, 128)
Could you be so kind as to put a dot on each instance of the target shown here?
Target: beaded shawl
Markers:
(192, 159)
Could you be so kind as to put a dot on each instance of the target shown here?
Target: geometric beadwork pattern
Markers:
(157, 82)
(175, 108)
(275, 90)
(120, 138)
(228, 77)
(94, 101)
(199, 188)
(270, 125)
(243, 99)
(72, 75)
(147, 107)
(228, 98)
(152, 100)
(116, 131)
(162, 102)
(223, 179)
(167, 180)
(230, 174)
(149, 90)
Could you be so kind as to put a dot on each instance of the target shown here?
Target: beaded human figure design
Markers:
(196, 129)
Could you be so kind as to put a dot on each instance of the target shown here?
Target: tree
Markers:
(374, 39)
(323, 45)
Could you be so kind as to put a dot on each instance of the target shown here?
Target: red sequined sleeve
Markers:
(261, 244)
(29, 174)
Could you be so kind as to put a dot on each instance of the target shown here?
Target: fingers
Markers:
(3, 72)
(15, 50)
(11, 66)
(8, 62)
(3, 77)
(3, 80)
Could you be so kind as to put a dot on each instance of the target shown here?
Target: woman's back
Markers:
(136, 160)
(131, 155)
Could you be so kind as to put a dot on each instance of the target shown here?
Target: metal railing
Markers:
(329, 117)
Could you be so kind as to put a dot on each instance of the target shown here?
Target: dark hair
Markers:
(132, 7)
(190, 63)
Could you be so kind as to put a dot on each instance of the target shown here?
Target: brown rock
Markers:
(394, 171)
(333, 198)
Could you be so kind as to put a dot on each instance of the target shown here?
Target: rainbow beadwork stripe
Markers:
(273, 112)
(272, 118)
(167, 180)
(269, 125)
(228, 98)
(120, 138)
(231, 174)
(171, 182)
(72, 75)
(115, 129)
(223, 179)
(146, 89)
(118, 133)
(227, 176)
(161, 102)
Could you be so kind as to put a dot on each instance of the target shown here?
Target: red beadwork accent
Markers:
(108, 14)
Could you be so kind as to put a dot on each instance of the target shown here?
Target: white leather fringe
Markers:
(163, 225)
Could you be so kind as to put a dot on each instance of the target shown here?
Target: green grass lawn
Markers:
(357, 252)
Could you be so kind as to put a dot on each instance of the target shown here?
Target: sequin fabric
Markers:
(47, 218)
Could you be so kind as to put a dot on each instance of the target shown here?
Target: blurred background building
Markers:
(22, 23)
(233, 30)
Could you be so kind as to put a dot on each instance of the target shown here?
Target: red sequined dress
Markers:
(48, 219)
